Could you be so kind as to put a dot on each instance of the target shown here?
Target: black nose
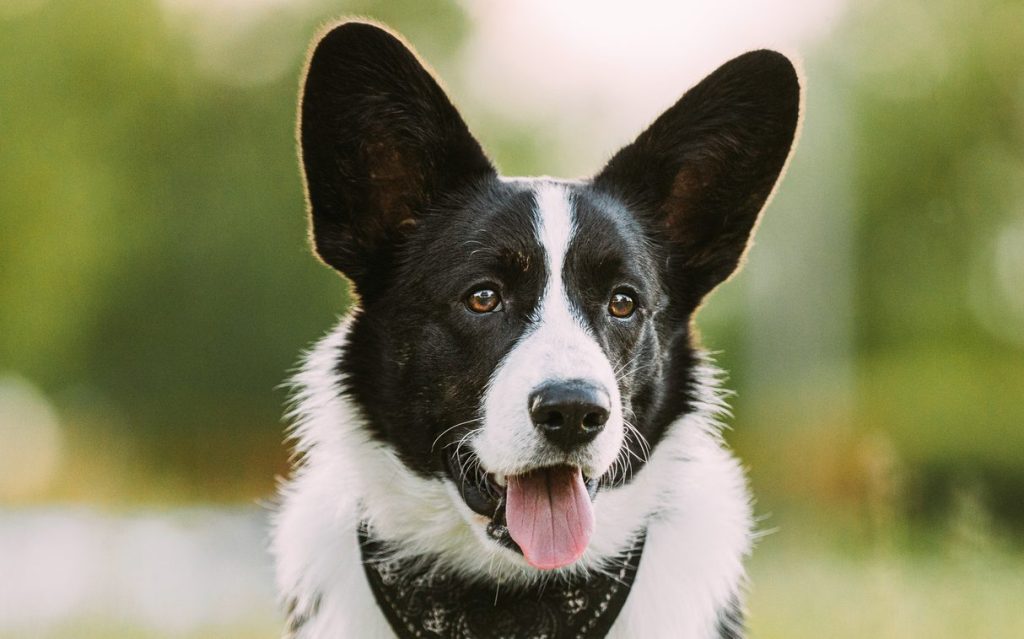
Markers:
(569, 413)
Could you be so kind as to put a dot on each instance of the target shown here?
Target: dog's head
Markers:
(527, 340)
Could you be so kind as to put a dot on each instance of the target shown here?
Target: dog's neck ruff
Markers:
(424, 603)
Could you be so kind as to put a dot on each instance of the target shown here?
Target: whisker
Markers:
(460, 458)
(451, 428)
(645, 446)
(628, 364)
(621, 367)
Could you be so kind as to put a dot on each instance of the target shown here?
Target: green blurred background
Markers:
(156, 286)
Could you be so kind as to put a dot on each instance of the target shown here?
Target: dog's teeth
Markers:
(499, 479)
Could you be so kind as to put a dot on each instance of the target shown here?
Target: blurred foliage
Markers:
(933, 97)
(939, 184)
(154, 271)
(155, 279)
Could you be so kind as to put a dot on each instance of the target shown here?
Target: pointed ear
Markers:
(700, 175)
(380, 143)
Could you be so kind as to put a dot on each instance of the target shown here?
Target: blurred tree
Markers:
(939, 180)
(154, 259)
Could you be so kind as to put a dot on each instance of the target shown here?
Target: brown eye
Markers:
(621, 305)
(483, 301)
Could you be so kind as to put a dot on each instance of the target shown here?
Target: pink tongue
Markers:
(549, 515)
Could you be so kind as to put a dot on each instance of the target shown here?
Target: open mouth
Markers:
(545, 513)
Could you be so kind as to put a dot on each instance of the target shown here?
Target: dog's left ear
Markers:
(700, 175)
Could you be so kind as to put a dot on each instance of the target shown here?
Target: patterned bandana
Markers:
(420, 603)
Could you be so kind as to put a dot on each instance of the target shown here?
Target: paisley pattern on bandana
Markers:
(423, 603)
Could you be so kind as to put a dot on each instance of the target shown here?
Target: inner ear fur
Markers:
(700, 175)
(380, 143)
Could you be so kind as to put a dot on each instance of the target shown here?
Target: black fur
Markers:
(730, 620)
(418, 360)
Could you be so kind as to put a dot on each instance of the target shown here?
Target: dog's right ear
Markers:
(702, 172)
(380, 142)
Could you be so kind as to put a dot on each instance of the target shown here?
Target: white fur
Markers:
(556, 347)
(691, 495)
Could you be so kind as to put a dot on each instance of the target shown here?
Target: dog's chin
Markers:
(485, 494)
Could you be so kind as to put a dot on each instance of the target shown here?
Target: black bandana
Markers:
(419, 603)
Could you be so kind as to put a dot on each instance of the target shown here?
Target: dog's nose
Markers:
(569, 413)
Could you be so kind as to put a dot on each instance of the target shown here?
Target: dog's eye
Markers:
(485, 300)
(621, 305)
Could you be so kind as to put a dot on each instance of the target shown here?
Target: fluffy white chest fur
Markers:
(691, 495)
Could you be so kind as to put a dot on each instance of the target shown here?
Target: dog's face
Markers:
(527, 341)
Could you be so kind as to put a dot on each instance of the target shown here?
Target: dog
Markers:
(514, 432)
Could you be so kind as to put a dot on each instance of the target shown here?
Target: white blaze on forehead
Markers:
(563, 330)
(556, 346)
(555, 229)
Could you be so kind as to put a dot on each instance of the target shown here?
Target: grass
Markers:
(808, 582)
(106, 629)
(817, 592)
